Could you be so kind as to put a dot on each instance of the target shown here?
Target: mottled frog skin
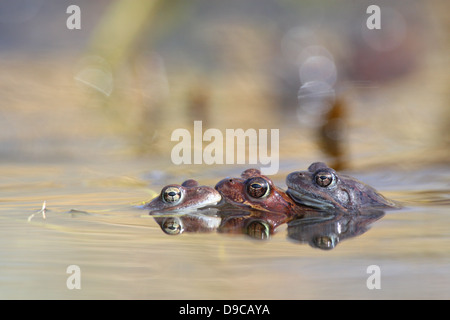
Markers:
(323, 188)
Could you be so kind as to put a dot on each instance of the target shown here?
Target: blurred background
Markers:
(137, 70)
(86, 117)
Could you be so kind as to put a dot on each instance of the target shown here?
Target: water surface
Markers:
(92, 221)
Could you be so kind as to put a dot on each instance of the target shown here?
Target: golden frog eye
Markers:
(324, 178)
(171, 195)
(258, 188)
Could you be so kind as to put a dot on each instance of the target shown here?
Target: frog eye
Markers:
(258, 188)
(171, 195)
(324, 178)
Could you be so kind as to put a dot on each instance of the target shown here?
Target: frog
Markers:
(321, 187)
(187, 196)
(256, 191)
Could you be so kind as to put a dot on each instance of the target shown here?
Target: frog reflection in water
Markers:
(327, 230)
(187, 196)
(256, 191)
(323, 188)
(175, 224)
(256, 224)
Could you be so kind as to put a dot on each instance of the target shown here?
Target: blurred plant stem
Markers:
(119, 28)
(125, 21)
(124, 33)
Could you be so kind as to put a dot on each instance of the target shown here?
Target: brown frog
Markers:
(187, 196)
(256, 191)
(323, 188)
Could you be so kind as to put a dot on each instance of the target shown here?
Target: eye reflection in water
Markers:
(322, 230)
(253, 223)
(172, 226)
(258, 229)
(326, 231)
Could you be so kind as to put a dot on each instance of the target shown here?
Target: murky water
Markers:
(92, 221)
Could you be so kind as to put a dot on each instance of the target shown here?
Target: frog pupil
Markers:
(172, 195)
(257, 189)
(324, 179)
